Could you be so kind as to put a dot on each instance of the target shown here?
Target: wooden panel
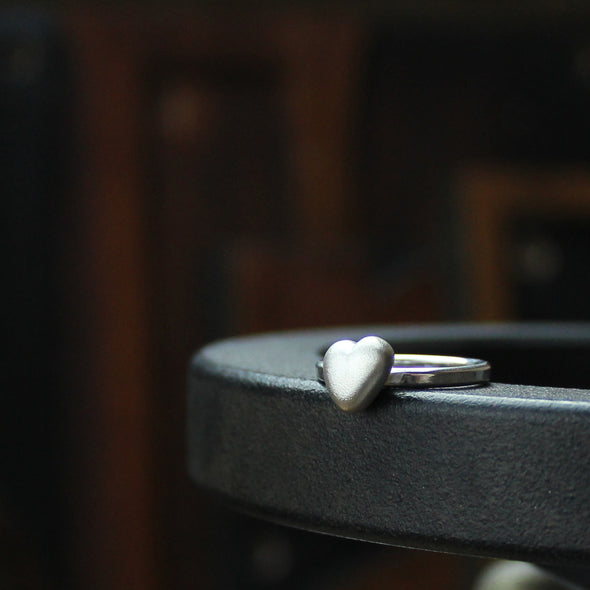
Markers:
(152, 208)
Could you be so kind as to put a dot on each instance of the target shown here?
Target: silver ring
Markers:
(355, 372)
(430, 370)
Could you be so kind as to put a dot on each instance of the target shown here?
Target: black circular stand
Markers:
(501, 470)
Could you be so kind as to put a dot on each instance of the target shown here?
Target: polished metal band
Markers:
(427, 370)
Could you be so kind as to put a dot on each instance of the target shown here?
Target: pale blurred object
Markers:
(517, 575)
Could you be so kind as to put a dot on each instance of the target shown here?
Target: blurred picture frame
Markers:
(524, 241)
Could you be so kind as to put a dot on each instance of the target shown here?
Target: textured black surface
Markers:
(500, 470)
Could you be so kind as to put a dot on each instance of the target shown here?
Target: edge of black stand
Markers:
(501, 470)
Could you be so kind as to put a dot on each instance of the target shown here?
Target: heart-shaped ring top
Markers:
(355, 372)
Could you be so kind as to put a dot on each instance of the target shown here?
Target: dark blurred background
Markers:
(172, 176)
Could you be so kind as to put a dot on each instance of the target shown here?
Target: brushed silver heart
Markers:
(355, 372)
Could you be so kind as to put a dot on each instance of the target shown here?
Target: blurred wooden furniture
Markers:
(230, 165)
(200, 138)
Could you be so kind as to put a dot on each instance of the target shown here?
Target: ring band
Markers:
(428, 370)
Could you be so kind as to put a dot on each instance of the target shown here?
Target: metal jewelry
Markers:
(355, 372)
